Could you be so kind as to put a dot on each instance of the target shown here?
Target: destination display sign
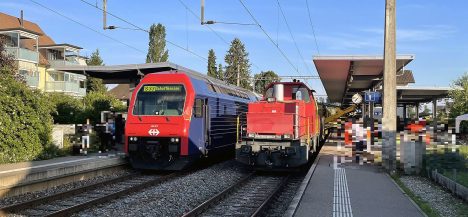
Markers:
(162, 88)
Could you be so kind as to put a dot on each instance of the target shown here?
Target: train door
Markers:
(207, 124)
(201, 118)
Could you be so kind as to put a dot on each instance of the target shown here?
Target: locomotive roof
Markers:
(288, 83)
(125, 74)
(208, 79)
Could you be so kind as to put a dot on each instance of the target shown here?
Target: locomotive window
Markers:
(303, 93)
(198, 108)
(159, 99)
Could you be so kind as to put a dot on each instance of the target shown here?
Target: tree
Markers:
(263, 79)
(95, 59)
(425, 112)
(459, 94)
(67, 109)
(237, 65)
(25, 121)
(211, 70)
(220, 73)
(157, 44)
(95, 84)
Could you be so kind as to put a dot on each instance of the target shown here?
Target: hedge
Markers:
(25, 121)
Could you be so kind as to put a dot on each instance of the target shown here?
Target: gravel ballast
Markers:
(61, 188)
(174, 197)
(441, 201)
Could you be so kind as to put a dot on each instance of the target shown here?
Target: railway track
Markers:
(250, 196)
(68, 202)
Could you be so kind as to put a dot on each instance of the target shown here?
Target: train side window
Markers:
(198, 108)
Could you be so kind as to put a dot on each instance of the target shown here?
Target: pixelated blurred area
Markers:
(420, 146)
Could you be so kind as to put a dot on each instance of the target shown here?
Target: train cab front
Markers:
(158, 121)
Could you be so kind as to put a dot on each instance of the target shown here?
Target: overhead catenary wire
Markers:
(294, 40)
(211, 29)
(145, 30)
(269, 37)
(292, 37)
(312, 26)
(85, 26)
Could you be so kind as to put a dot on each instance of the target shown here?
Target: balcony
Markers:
(65, 62)
(32, 81)
(23, 54)
(71, 88)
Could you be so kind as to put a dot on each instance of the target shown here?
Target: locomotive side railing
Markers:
(301, 125)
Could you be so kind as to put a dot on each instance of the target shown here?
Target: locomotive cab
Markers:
(282, 129)
(158, 122)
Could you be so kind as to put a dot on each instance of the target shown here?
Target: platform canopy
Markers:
(121, 74)
(413, 95)
(343, 76)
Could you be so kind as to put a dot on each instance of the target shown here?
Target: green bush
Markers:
(95, 102)
(67, 109)
(25, 121)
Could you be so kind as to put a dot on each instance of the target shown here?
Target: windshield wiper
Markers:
(138, 116)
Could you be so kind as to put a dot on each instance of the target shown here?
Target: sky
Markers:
(436, 32)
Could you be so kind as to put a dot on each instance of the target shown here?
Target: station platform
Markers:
(20, 178)
(337, 186)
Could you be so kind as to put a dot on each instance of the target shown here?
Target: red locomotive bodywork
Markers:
(282, 129)
(167, 126)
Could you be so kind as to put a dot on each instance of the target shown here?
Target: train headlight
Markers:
(172, 139)
(177, 139)
(251, 135)
(287, 136)
(133, 139)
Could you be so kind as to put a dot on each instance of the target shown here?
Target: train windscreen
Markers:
(160, 100)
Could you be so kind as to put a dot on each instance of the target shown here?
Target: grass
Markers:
(423, 205)
(462, 177)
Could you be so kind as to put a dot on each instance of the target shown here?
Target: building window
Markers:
(11, 39)
(82, 84)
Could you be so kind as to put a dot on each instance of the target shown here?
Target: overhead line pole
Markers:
(389, 98)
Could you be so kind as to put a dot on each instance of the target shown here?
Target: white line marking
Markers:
(45, 165)
(341, 199)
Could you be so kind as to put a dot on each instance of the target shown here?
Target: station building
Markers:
(37, 54)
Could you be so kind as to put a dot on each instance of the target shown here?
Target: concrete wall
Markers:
(59, 131)
(457, 189)
(411, 155)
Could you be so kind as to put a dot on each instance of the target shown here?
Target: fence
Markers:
(457, 189)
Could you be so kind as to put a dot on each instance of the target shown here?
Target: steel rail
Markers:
(41, 200)
(208, 203)
(66, 211)
(275, 192)
(108, 197)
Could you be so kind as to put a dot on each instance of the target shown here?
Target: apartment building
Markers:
(36, 55)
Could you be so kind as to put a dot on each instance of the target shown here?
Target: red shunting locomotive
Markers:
(283, 129)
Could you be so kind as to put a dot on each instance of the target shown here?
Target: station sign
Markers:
(372, 96)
